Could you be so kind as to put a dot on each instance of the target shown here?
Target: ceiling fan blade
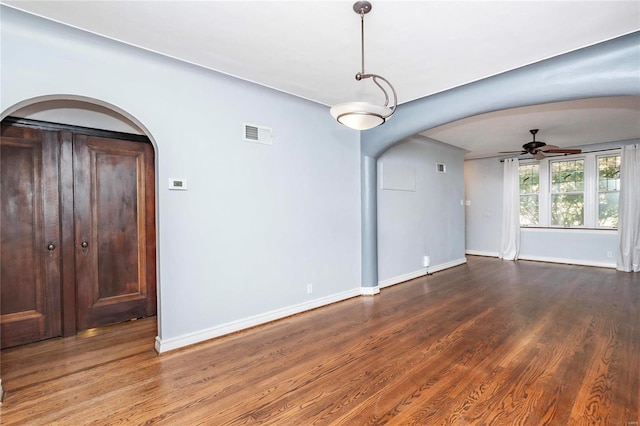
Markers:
(548, 147)
(564, 151)
(512, 152)
(538, 155)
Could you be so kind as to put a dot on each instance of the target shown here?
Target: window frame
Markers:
(591, 190)
(582, 192)
(597, 189)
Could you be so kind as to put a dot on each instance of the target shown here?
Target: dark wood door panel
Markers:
(115, 204)
(115, 249)
(61, 189)
(30, 236)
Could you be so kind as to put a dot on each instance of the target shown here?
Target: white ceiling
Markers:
(312, 49)
(565, 124)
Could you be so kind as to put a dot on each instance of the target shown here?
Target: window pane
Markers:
(608, 209)
(609, 173)
(567, 199)
(608, 190)
(528, 210)
(529, 180)
(567, 209)
(567, 176)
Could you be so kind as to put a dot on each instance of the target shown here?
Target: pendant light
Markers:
(364, 115)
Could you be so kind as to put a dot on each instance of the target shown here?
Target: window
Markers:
(578, 191)
(567, 193)
(529, 190)
(608, 190)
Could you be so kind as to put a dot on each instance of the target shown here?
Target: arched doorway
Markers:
(606, 69)
(78, 229)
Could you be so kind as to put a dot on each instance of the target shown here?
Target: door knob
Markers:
(51, 246)
(84, 244)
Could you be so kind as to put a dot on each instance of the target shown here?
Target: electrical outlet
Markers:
(309, 288)
(609, 254)
(426, 261)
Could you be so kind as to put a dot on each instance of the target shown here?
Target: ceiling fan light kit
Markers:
(539, 148)
(365, 115)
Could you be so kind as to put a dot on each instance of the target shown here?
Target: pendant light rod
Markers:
(362, 38)
(362, 8)
(364, 115)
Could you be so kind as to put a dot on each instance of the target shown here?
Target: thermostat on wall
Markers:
(178, 184)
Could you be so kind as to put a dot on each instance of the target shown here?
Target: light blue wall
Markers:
(483, 188)
(581, 247)
(258, 222)
(427, 221)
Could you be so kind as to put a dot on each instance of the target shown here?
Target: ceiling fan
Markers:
(539, 148)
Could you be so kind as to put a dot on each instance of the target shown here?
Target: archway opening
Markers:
(86, 123)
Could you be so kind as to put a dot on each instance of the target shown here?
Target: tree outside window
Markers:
(567, 193)
(529, 194)
(608, 190)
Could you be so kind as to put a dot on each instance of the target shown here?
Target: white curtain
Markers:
(510, 242)
(629, 210)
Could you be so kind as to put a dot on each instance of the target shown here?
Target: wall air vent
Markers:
(259, 134)
(441, 168)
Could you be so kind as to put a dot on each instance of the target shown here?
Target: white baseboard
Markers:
(420, 273)
(164, 345)
(446, 265)
(482, 253)
(580, 262)
(402, 278)
(567, 261)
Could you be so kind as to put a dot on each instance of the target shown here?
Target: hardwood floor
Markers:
(486, 343)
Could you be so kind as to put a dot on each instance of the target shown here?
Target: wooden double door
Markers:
(77, 227)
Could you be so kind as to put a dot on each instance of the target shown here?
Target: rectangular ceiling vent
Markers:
(259, 134)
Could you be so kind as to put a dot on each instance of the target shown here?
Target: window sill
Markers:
(569, 229)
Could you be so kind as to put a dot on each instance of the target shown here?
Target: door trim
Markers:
(89, 131)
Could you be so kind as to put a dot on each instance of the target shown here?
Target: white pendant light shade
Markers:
(360, 115)
(364, 115)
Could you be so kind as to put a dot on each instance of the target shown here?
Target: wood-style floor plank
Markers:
(487, 343)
